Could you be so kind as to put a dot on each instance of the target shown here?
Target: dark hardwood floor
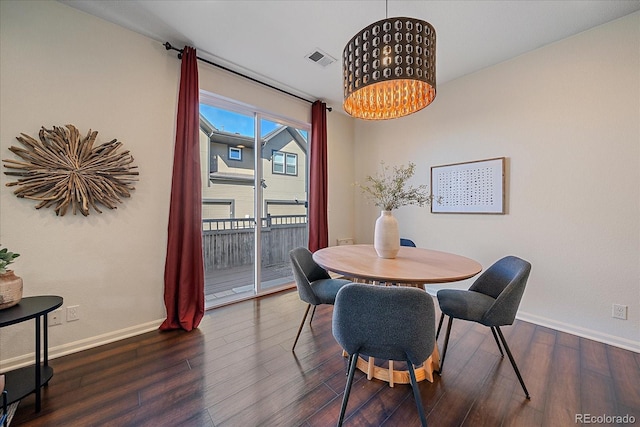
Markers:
(237, 369)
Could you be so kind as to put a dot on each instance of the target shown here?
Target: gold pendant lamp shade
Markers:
(390, 69)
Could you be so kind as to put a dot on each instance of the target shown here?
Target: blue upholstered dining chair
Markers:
(3, 403)
(314, 284)
(407, 242)
(387, 322)
(492, 300)
(4, 415)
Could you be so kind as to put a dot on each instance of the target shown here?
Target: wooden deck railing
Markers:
(224, 224)
(229, 242)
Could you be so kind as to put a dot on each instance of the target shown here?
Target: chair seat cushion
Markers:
(463, 304)
(326, 289)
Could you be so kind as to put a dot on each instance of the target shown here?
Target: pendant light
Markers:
(389, 69)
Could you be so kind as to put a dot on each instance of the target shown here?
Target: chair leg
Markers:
(513, 362)
(349, 364)
(312, 313)
(495, 337)
(347, 388)
(440, 325)
(300, 328)
(446, 344)
(416, 394)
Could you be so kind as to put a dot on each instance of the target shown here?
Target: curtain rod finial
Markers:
(167, 45)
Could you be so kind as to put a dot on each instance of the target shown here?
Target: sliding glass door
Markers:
(254, 201)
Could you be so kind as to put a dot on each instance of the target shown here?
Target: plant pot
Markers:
(386, 236)
(10, 289)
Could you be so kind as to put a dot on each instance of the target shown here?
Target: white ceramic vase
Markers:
(386, 236)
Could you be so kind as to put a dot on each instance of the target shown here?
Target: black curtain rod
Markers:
(168, 46)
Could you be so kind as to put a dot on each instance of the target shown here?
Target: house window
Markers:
(285, 163)
(235, 153)
(292, 164)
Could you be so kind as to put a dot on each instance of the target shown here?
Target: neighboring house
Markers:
(228, 176)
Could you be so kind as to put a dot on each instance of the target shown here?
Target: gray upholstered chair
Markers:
(315, 286)
(492, 300)
(387, 322)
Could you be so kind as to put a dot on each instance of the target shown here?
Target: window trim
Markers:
(234, 149)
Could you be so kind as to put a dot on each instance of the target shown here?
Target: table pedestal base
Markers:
(394, 376)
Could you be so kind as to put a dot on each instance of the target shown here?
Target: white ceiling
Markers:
(270, 39)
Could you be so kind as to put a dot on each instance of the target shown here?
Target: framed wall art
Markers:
(469, 187)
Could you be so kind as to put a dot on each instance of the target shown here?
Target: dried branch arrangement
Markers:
(64, 169)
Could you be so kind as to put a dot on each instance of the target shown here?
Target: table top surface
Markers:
(29, 308)
(411, 266)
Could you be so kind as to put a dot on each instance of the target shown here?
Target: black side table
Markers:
(24, 381)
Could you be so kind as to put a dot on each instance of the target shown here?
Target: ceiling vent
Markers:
(321, 58)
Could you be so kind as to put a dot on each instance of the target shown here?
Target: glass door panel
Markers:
(283, 200)
(227, 159)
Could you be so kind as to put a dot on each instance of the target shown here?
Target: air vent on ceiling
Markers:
(321, 58)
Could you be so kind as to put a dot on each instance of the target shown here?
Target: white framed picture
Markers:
(469, 187)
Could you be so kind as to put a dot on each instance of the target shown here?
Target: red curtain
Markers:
(184, 267)
(318, 222)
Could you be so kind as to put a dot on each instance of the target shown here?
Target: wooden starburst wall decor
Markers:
(65, 170)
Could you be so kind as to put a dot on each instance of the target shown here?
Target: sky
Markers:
(233, 122)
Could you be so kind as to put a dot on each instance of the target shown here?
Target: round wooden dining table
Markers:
(411, 267)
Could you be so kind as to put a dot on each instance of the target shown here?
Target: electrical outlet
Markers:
(55, 318)
(619, 311)
(73, 313)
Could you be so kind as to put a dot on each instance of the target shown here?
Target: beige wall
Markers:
(567, 117)
(59, 66)
(342, 158)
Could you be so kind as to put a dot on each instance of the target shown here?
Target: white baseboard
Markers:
(85, 344)
(581, 332)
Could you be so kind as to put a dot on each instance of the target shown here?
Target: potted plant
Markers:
(389, 190)
(10, 284)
